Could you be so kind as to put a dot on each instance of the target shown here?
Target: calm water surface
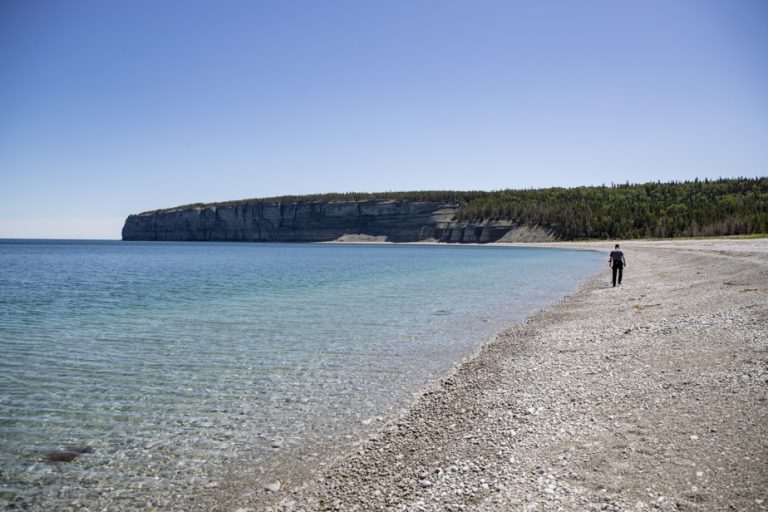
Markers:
(177, 362)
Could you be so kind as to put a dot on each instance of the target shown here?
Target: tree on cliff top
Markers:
(697, 208)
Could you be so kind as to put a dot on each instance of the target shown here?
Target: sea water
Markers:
(178, 367)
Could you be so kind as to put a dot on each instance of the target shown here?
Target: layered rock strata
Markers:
(323, 221)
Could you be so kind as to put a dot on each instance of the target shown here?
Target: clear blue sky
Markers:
(111, 108)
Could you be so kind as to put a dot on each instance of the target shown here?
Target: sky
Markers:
(114, 108)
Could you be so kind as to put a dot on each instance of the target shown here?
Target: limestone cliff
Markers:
(321, 221)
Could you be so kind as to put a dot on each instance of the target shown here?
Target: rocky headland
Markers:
(325, 221)
(641, 211)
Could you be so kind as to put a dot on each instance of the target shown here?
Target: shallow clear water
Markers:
(176, 362)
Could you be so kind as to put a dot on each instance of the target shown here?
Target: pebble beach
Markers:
(649, 396)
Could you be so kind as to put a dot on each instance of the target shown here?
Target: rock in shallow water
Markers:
(69, 454)
(80, 449)
(60, 456)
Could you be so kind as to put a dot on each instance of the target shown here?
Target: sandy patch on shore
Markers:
(648, 396)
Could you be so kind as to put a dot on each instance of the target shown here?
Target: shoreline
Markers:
(278, 474)
(249, 471)
(522, 423)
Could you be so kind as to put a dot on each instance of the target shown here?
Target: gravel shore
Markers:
(648, 396)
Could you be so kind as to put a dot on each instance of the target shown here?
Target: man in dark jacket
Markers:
(617, 262)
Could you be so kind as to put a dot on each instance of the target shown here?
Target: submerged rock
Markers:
(80, 449)
(60, 456)
(69, 454)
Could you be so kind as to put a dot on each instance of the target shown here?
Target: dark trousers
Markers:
(618, 268)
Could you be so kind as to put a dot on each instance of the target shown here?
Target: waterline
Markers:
(177, 362)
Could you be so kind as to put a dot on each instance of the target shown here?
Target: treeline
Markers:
(692, 208)
(437, 196)
(650, 210)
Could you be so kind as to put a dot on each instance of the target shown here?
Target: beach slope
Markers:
(648, 396)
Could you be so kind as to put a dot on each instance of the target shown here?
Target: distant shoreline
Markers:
(364, 240)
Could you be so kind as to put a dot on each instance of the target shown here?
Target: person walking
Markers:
(617, 262)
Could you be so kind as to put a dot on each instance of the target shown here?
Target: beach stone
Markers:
(273, 486)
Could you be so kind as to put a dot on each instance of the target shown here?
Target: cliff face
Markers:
(317, 221)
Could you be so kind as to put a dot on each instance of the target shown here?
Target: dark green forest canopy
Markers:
(439, 196)
(691, 208)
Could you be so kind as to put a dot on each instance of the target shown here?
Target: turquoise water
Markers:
(176, 362)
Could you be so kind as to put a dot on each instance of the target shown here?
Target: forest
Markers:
(650, 210)
(737, 206)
